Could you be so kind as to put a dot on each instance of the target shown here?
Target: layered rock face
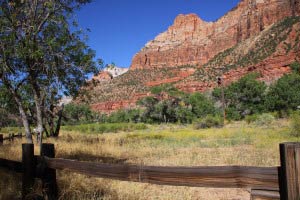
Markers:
(192, 41)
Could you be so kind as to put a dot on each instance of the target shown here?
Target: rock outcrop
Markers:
(192, 41)
(109, 72)
(115, 71)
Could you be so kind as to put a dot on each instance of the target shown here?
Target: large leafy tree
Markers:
(39, 51)
(284, 94)
(244, 97)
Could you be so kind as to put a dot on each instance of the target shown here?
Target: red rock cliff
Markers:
(191, 40)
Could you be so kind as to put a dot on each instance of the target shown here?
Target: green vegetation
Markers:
(209, 122)
(170, 105)
(295, 66)
(265, 119)
(244, 97)
(104, 128)
(284, 95)
(295, 124)
(44, 56)
(78, 113)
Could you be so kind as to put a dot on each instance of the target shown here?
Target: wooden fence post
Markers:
(49, 175)
(29, 166)
(1, 139)
(289, 177)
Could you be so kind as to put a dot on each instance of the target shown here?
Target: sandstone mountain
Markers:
(257, 35)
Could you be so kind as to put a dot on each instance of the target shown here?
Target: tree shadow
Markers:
(82, 156)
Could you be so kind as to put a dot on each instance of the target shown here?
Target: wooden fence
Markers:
(10, 137)
(282, 182)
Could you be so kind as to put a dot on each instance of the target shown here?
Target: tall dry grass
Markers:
(163, 145)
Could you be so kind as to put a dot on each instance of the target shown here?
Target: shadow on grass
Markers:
(82, 156)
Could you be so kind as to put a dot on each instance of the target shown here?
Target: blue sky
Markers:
(120, 28)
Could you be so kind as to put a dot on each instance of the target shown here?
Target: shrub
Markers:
(209, 122)
(295, 66)
(264, 119)
(78, 113)
(284, 94)
(251, 118)
(295, 124)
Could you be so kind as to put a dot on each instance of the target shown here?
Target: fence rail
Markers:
(213, 176)
(264, 182)
(10, 137)
(11, 165)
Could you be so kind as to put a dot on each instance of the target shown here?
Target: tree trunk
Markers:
(39, 115)
(25, 124)
(22, 111)
(60, 114)
(23, 116)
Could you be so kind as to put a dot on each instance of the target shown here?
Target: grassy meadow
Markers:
(237, 143)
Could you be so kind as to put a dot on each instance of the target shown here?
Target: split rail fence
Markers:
(10, 137)
(282, 182)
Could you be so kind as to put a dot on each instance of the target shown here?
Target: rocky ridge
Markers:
(190, 40)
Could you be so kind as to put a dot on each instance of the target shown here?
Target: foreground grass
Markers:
(163, 145)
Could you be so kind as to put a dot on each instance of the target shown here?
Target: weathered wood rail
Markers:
(213, 176)
(282, 182)
(10, 137)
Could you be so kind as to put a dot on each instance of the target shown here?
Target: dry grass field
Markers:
(162, 145)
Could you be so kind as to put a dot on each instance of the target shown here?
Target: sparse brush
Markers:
(295, 124)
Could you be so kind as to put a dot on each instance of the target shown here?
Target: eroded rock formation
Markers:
(190, 40)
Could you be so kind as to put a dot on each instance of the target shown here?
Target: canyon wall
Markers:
(192, 41)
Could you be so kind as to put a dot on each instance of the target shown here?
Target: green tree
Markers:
(284, 94)
(201, 105)
(244, 97)
(78, 113)
(39, 49)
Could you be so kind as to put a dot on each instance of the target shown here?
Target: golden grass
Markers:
(163, 145)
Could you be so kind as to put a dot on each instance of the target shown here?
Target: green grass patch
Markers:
(105, 128)
(7, 130)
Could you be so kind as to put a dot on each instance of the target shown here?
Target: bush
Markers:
(284, 95)
(295, 66)
(78, 114)
(251, 118)
(264, 119)
(295, 124)
(209, 122)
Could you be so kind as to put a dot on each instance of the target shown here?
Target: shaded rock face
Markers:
(192, 41)
(111, 106)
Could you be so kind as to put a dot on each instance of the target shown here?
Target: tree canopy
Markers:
(42, 54)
